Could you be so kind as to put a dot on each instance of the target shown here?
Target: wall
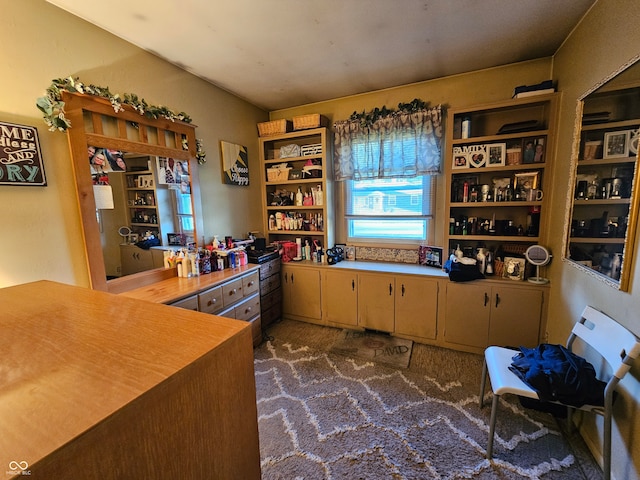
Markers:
(607, 38)
(42, 238)
(485, 86)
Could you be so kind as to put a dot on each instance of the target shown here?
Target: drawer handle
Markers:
(251, 284)
(497, 300)
(247, 310)
(212, 301)
(486, 298)
(233, 292)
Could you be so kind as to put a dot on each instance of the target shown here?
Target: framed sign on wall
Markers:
(20, 156)
(235, 164)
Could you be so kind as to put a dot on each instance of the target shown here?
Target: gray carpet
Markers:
(328, 416)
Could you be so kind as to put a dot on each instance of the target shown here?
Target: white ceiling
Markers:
(283, 53)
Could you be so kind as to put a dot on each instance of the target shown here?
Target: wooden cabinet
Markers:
(605, 180)
(401, 304)
(483, 314)
(135, 259)
(498, 182)
(308, 171)
(340, 297)
(416, 307)
(301, 293)
(189, 303)
(376, 301)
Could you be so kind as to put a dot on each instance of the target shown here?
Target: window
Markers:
(391, 209)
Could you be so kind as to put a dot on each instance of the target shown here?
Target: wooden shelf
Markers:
(604, 240)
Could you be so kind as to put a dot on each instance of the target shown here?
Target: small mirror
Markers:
(604, 210)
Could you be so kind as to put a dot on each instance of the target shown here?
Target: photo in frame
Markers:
(497, 154)
(616, 144)
(526, 181)
(513, 268)
(430, 256)
(459, 158)
(533, 150)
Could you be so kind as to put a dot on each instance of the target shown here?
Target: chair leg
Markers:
(492, 425)
(483, 381)
(606, 448)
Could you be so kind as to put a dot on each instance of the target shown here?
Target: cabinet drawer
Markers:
(269, 284)
(210, 301)
(250, 284)
(190, 303)
(248, 308)
(232, 292)
(272, 298)
(228, 313)
(270, 268)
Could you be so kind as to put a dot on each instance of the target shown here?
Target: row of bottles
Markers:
(314, 197)
(310, 222)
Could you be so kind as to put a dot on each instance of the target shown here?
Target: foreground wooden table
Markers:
(94, 385)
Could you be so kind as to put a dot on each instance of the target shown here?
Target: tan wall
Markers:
(491, 85)
(41, 235)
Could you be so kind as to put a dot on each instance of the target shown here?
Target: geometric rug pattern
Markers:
(328, 416)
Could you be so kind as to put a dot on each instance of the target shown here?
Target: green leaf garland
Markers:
(52, 106)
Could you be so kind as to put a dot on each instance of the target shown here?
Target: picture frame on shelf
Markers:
(616, 144)
(459, 161)
(526, 180)
(430, 256)
(476, 155)
(533, 150)
(634, 139)
(513, 268)
(496, 154)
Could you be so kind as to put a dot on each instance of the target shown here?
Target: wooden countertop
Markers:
(177, 288)
(71, 357)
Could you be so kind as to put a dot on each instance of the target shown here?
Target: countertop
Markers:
(177, 288)
(73, 357)
(378, 267)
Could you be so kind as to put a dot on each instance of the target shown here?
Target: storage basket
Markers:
(274, 127)
(278, 174)
(289, 251)
(311, 120)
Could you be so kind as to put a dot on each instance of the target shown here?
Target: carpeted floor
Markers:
(328, 416)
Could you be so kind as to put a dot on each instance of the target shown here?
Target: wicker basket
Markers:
(312, 120)
(274, 127)
(278, 174)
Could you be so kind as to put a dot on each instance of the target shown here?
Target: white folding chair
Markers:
(617, 346)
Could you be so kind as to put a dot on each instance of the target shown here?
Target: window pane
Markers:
(388, 229)
(388, 197)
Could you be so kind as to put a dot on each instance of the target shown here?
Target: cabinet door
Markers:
(340, 297)
(301, 292)
(416, 306)
(376, 302)
(515, 316)
(135, 259)
(467, 314)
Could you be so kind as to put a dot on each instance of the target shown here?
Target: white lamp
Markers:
(103, 196)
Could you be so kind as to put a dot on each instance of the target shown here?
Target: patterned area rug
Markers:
(328, 416)
(376, 347)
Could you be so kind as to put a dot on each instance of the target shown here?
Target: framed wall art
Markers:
(20, 157)
(235, 164)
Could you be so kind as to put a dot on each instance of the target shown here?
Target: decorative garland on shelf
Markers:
(367, 119)
(52, 106)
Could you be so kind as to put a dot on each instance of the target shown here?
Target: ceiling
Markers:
(283, 53)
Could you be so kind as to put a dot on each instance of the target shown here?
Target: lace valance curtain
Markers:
(397, 144)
